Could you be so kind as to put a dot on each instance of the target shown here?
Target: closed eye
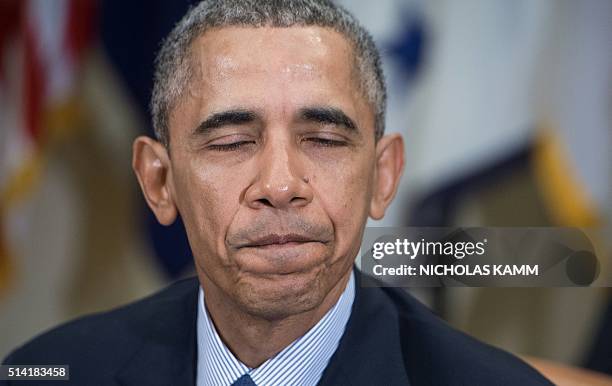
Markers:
(326, 142)
(229, 146)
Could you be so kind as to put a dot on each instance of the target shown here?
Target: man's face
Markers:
(272, 156)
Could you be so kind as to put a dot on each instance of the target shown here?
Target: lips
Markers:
(279, 253)
(272, 240)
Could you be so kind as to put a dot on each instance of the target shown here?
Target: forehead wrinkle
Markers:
(304, 70)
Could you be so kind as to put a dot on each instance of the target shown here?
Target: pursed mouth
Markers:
(273, 240)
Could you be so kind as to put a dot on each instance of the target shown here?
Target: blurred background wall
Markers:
(505, 107)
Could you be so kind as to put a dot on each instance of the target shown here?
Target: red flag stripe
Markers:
(80, 27)
(34, 85)
(10, 16)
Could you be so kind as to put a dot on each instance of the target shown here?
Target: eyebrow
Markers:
(317, 114)
(328, 115)
(225, 118)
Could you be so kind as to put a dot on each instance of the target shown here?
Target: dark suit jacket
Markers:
(390, 339)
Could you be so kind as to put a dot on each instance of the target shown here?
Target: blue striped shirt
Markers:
(300, 363)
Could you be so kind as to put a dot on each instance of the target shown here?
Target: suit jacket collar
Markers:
(371, 347)
(167, 354)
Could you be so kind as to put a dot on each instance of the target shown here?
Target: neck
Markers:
(253, 339)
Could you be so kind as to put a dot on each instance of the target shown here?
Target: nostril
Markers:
(298, 201)
(264, 202)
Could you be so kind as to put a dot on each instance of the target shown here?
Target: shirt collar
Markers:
(300, 363)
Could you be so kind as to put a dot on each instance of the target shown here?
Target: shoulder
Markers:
(109, 337)
(436, 353)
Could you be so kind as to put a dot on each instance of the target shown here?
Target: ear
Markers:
(151, 164)
(387, 173)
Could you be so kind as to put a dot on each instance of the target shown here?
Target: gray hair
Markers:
(172, 65)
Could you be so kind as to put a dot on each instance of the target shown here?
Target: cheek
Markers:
(208, 202)
(344, 192)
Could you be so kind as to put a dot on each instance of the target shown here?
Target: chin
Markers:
(275, 297)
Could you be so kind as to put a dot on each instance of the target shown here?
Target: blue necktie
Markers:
(245, 380)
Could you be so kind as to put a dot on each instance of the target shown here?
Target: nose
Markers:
(281, 182)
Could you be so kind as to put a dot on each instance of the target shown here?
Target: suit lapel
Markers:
(370, 352)
(167, 355)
